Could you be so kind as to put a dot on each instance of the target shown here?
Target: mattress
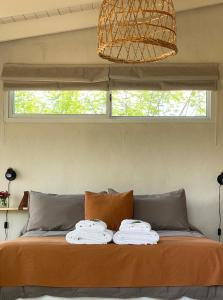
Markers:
(167, 293)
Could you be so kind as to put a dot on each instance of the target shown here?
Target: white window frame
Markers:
(10, 116)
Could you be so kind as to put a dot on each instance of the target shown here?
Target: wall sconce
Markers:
(220, 181)
(10, 174)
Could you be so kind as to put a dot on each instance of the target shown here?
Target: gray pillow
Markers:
(54, 212)
(163, 211)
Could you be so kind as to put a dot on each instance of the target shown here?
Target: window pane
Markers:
(60, 102)
(159, 103)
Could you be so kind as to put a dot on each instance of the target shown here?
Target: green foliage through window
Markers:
(124, 103)
(60, 102)
(159, 103)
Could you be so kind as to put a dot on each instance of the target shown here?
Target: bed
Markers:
(39, 263)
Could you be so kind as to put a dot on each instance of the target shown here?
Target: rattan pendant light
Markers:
(136, 31)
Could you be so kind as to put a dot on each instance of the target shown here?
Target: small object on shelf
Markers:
(24, 202)
(4, 199)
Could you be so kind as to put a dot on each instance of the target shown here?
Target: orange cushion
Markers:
(110, 208)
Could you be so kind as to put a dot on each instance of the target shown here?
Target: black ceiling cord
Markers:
(220, 181)
(10, 175)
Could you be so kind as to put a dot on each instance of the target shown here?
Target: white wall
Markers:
(150, 158)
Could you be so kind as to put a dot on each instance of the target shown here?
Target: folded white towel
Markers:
(90, 237)
(96, 225)
(132, 238)
(136, 226)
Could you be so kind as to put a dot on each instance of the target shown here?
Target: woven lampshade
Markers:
(136, 31)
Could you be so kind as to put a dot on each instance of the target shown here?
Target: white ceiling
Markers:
(17, 7)
(28, 18)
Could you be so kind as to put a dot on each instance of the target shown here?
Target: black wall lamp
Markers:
(10, 174)
(220, 181)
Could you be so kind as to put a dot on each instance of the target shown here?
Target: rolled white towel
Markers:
(136, 226)
(89, 237)
(96, 225)
(130, 238)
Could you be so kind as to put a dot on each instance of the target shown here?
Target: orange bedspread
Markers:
(50, 261)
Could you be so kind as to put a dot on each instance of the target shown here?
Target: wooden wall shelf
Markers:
(12, 209)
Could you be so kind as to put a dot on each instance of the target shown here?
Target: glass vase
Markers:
(3, 203)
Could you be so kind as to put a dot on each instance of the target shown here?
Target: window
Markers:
(121, 104)
(60, 102)
(159, 103)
